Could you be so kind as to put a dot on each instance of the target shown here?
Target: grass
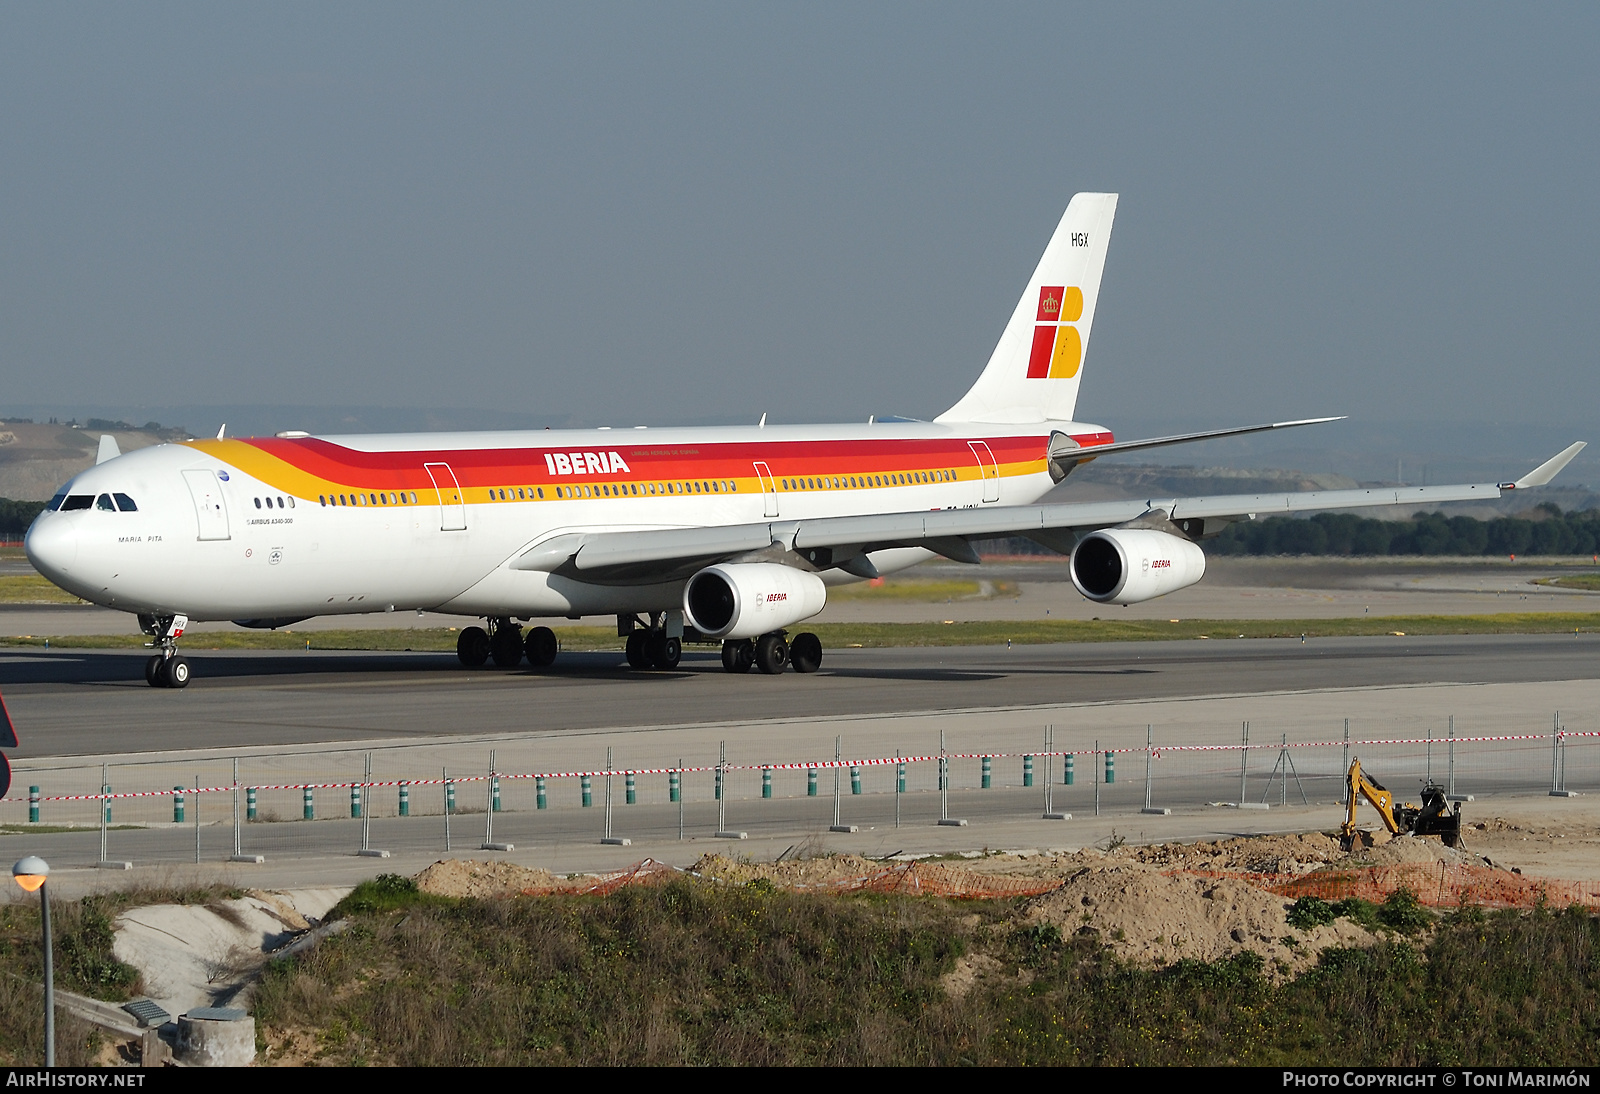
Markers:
(1575, 581)
(690, 973)
(930, 592)
(882, 635)
(32, 589)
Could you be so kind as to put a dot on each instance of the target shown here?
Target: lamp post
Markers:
(30, 874)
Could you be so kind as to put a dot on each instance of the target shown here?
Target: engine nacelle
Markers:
(1131, 565)
(746, 599)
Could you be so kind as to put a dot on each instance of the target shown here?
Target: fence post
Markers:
(945, 819)
(449, 802)
(1094, 773)
(197, 820)
(367, 850)
(1049, 783)
(608, 837)
(1558, 767)
(723, 831)
(838, 757)
(1149, 754)
(1450, 790)
(677, 785)
(250, 797)
(1344, 765)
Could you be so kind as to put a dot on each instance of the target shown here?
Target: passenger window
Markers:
(541, 493)
(291, 501)
(280, 503)
(323, 499)
(104, 502)
(257, 501)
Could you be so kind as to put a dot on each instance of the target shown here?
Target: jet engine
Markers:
(743, 600)
(1132, 565)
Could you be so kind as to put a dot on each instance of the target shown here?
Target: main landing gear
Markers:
(650, 647)
(165, 668)
(505, 644)
(770, 653)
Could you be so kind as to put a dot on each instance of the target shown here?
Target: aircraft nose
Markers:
(52, 545)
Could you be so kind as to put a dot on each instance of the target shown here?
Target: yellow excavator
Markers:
(1433, 817)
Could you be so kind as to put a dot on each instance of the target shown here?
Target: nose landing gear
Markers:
(165, 668)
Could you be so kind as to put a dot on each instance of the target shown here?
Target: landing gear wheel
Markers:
(805, 652)
(175, 672)
(738, 655)
(472, 647)
(540, 647)
(664, 652)
(771, 653)
(152, 671)
(637, 657)
(505, 646)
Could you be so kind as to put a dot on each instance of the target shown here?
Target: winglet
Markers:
(1547, 470)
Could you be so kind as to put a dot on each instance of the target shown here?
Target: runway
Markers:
(89, 702)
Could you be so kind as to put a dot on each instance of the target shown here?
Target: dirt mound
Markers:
(1255, 854)
(795, 872)
(1156, 918)
(476, 878)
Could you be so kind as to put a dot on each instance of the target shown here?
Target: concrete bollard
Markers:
(308, 808)
(988, 772)
(766, 782)
(588, 791)
(216, 1037)
(33, 805)
(1066, 770)
(674, 786)
(1027, 771)
(405, 799)
(855, 780)
(630, 789)
(1111, 767)
(538, 793)
(177, 805)
(811, 782)
(355, 801)
(250, 803)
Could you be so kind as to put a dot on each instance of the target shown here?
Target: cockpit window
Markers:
(125, 503)
(75, 502)
(55, 502)
(104, 502)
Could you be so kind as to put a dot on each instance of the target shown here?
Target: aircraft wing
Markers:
(663, 553)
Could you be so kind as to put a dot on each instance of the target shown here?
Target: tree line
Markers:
(1555, 533)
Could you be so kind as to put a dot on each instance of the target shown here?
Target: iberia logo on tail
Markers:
(1057, 347)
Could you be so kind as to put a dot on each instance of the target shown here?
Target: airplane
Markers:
(728, 534)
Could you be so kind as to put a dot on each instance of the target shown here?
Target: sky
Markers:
(601, 214)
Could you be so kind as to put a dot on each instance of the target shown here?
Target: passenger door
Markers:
(989, 468)
(452, 506)
(209, 508)
(769, 488)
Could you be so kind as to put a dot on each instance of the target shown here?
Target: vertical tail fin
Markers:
(1034, 370)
